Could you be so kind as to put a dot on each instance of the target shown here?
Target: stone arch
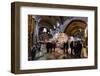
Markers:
(73, 27)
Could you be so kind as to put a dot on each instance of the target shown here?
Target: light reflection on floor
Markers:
(58, 54)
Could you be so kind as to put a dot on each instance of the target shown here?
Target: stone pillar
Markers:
(31, 24)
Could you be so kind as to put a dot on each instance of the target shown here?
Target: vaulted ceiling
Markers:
(73, 28)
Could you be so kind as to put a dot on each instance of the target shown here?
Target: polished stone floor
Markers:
(58, 54)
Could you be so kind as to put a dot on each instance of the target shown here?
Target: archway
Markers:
(76, 28)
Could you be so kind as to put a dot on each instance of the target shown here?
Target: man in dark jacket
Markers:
(49, 47)
(65, 48)
(72, 47)
(78, 49)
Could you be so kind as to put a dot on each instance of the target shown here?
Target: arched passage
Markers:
(75, 27)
